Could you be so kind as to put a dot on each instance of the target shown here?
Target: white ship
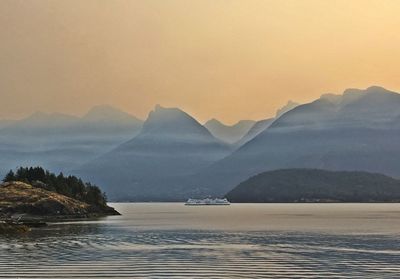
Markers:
(207, 201)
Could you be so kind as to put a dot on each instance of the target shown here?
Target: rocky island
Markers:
(32, 196)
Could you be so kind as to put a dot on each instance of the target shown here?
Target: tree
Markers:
(70, 186)
(10, 176)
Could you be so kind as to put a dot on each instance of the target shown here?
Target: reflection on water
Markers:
(242, 241)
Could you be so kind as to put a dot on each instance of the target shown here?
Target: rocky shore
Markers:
(23, 206)
(12, 228)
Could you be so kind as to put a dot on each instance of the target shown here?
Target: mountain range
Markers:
(171, 156)
(230, 134)
(170, 146)
(358, 130)
(244, 130)
(160, 162)
(61, 142)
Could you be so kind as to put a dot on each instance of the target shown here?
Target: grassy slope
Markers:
(22, 198)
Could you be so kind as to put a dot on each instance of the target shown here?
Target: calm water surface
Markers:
(170, 240)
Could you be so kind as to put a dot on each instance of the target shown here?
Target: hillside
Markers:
(22, 198)
(313, 185)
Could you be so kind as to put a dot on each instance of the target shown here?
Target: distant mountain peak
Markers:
(229, 133)
(38, 114)
(331, 97)
(377, 88)
(162, 120)
(213, 121)
(159, 112)
(370, 90)
(351, 95)
(159, 107)
(108, 113)
(289, 106)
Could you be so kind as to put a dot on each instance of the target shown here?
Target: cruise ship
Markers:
(207, 201)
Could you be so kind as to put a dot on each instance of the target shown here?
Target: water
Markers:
(170, 240)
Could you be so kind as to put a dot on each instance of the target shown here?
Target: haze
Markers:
(226, 59)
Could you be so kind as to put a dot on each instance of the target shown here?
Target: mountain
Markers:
(110, 115)
(257, 128)
(61, 142)
(226, 133)
(288, 107)
(358, 130)
(261, 125)
(170, 146)
(39, 122)
(99, 119)
(245, 130)
(313, 185)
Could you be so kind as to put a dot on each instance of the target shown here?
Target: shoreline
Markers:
(26, 223)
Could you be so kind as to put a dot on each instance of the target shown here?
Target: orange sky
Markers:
(214, 58)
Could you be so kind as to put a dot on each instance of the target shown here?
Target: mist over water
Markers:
(171, 240)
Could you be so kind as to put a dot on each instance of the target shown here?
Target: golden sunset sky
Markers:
(228, 59)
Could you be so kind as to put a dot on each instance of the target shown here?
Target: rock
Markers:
(7, 228)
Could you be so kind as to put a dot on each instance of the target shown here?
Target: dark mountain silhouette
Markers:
(312, 185)
(170, 146)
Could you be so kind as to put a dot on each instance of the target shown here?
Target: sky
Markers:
(224, 59)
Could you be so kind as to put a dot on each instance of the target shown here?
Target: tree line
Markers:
(70, 186)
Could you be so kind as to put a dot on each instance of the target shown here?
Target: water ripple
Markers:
(195, 254)
(129, 247)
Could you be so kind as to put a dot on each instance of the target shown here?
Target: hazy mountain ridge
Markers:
(326, 134)
(150, 166)
(261, 125)
(257, 128)
(289, 106)
(175, 157)
(61, 142)
(244, 130)
(355, 107)
(97, 118)
(229, 133)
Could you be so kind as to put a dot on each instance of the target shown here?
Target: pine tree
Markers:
(70, 186)
(10, 176)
